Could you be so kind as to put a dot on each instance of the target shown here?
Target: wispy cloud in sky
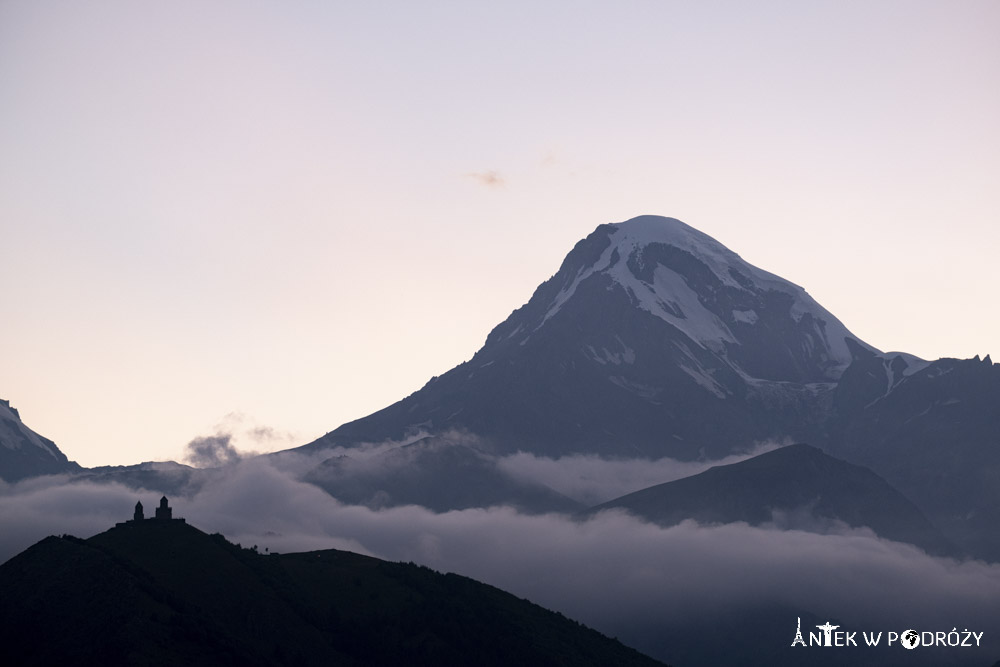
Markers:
(489, 178)
(227, 444)
(211, 451)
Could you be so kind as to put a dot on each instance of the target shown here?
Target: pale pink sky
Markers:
(299, 212)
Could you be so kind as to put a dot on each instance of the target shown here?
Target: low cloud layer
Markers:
(627, 578)
(586, 478)
(592, 479)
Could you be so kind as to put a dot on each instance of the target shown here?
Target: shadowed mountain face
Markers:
(796, 487)
(439, 473)
(934, 434)
(24, 453)
(164, 593)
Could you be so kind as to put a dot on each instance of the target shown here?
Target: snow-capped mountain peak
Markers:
(652, 337)
(705, 291)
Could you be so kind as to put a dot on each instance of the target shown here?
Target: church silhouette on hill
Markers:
(163, 513)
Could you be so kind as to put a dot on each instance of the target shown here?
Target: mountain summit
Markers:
(756, 323)
(651, 339)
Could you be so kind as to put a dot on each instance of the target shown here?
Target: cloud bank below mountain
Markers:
(629, 579)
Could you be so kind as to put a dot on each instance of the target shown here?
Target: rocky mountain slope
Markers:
(796, 487)
(24, 453)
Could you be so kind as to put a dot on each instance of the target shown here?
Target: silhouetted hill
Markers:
(796, 487)
(165, 593)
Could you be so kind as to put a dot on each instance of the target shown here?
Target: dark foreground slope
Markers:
(796, 487)
(165, 593)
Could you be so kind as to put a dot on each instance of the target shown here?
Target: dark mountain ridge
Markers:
(161, 592)
(934, 434)
(797, 486)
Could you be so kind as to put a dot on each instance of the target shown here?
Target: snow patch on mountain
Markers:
(605, 356)
(699, 373)
(673, 301)
(639, 389)
(896, 372)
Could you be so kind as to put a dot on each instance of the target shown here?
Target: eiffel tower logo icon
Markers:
(798, 634)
